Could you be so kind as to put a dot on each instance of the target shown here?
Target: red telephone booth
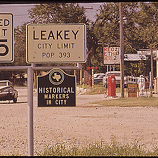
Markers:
(111, 86)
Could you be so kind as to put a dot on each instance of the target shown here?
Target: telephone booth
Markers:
(111, 86)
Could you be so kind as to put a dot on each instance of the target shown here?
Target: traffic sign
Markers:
(111, 55)
(6, 38)
(56, 43)
(56, 89)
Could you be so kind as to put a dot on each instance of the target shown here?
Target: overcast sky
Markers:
(20, 11)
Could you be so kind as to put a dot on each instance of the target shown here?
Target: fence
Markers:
(132, 79)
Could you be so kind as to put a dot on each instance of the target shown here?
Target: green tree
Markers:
(52, 13)
(20, 45)
(140, 26)
(57, 13)
(106, 30)
(63, 13)
(44, 14)
(147, 22)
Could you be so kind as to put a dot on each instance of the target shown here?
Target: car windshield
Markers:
(3, 83)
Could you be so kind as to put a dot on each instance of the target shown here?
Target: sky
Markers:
(20, 11)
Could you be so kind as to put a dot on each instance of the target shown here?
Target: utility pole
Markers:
(122, 50)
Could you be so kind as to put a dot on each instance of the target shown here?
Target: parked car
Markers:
(7, 91)
(96, 75)
(117, 76)
(99, 78)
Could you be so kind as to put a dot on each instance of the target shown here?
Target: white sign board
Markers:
(6, 38)
(56, 43)
(147, 52)
(111, 55)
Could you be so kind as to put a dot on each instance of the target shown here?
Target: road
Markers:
(86, 123)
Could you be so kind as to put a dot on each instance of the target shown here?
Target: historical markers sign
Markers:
(6, 38)
(56, 43)
(111, 55)
(56, 89)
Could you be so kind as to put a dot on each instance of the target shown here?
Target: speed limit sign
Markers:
(6, 37)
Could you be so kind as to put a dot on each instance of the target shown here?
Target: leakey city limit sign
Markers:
(56, 43)
(6, 38)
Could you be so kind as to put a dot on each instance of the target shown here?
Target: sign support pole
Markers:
(151, 71)
(92, 78)
(30, 111)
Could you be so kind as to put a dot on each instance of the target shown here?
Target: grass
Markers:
(98, 89)
(114, 149)
(95, 90)
(97, 149)
(121, 102)
(130, 102)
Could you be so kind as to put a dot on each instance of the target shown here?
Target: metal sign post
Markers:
(52, 43)
(30, 111)
(30, 96)
(150, 74)
(88, 68)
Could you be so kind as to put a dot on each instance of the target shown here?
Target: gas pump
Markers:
(111, 86)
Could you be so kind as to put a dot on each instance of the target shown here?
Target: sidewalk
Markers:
(87, 99)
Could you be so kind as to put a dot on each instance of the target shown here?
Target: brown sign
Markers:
(132, 90)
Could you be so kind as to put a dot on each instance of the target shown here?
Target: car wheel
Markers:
(14, 100)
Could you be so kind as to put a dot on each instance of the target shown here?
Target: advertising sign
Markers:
(111, 55)
(6, 37)
(56, 89)
(132, 90)
(56, 43)
(147, 52)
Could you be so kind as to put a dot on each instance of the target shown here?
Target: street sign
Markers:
(134, 57)
(56, 43)
(111, 55)
(6, 38)
(56, 89)
(147, 52)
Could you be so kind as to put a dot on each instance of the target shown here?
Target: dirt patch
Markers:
(79, 125)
